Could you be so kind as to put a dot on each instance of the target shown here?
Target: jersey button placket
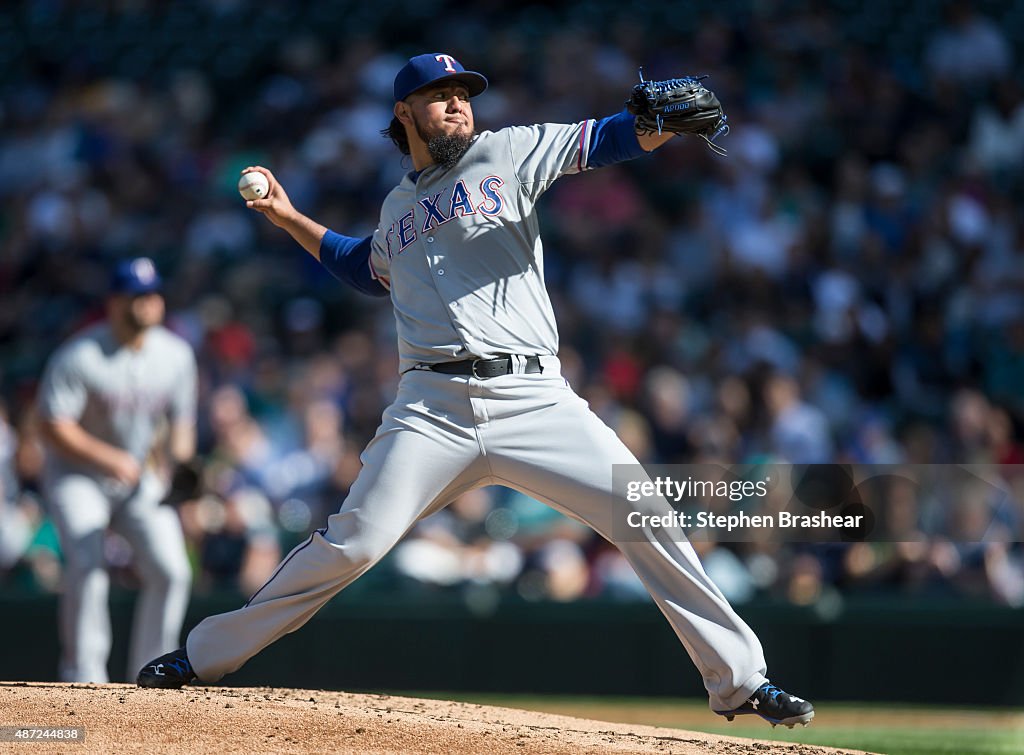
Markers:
(430, 240)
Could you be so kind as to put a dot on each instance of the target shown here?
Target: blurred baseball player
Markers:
(481, 400)
(105, 398)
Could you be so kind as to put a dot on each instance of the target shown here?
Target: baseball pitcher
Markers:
(105, 395)
(481, 400)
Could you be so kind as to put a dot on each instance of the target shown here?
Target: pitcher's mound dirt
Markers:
(221, 720)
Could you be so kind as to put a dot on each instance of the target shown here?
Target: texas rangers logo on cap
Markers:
(144, 270)
(447, 60)
(433, 67)
(135, 276)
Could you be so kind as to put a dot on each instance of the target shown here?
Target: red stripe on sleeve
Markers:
(579, 158)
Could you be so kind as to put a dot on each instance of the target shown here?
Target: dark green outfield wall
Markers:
(909, 651)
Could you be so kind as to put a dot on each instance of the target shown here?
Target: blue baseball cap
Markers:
(135, 276)
(431, 68)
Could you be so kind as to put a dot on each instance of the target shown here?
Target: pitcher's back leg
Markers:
(407, 470)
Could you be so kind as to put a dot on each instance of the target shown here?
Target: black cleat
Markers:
(171, 671)
(774, 706)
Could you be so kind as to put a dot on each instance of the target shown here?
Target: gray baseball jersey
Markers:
(118, 394)
(460, 249)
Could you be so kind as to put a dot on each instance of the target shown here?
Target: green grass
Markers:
(910, 740)
(889, 729)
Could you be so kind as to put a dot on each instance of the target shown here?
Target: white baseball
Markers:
(253, 185)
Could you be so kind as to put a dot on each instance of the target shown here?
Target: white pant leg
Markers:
(81, 513)
(545, 441)
(419, 460)
(154, 532)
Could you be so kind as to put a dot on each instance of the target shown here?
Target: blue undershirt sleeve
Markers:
(614, 141)
(348, 260)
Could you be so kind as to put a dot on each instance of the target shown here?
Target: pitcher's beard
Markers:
(445, 149)
(448, 149)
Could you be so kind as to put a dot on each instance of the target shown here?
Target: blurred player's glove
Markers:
(186, 483)
(682, 106)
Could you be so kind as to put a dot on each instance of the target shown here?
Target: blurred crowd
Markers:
(848, 285)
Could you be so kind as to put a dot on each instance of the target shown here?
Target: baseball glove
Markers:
(186, 483)
(682, 106)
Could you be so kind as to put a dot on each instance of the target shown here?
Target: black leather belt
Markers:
(484, 368)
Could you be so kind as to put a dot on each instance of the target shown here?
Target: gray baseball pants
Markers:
(82, 511)
(445, 435)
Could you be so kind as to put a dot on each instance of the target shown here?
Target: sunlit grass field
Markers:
(891, 729)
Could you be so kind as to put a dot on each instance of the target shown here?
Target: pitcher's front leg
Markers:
(569, 466)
